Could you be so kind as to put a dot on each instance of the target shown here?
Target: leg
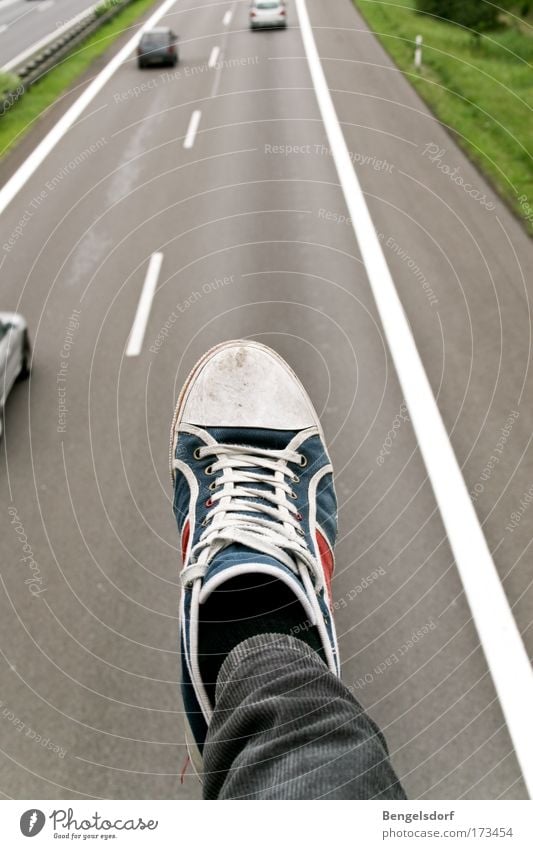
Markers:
(285, 727)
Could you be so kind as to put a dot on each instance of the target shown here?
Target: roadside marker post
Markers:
(418, 52)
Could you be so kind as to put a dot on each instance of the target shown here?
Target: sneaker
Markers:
(254, 501)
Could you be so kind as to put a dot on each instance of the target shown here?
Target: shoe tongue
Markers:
(239, 555)
(275, 440)
(258, 437)
(238, 560)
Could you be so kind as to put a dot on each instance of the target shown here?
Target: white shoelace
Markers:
(266, 520)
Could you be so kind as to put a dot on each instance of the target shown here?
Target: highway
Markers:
(24, 23)
(224, 166)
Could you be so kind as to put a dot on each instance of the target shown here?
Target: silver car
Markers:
(15, 355)
(268, 13)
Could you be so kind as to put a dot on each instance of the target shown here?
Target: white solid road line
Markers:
(226, 20)
(138, 329)
(192, 130)
(30, 165)
(498, 633)
(213, 58)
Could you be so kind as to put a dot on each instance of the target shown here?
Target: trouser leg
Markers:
(285, 727)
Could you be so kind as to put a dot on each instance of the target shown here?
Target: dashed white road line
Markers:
(499, 636)
(37, 157)
(226, 20)
(216, 80)
(3, 27)
(42, 7)
(192, 129)
(138, 329)
(213, 58)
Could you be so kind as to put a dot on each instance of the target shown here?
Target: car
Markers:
(267, 14)
(157, 47)
(15, 355)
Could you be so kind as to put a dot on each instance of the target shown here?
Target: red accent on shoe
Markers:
(328, 563)
(185, 539)
(184, 769)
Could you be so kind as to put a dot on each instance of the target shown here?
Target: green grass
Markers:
(40, 97)
(480, 91)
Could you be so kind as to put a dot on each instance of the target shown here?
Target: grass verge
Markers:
(481, 89)
(40, 97)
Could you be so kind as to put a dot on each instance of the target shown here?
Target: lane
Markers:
(246, 222)
(107, 637)
(459, 261)
(39, 154)
(502, 643)
(435, 706)
(24, 23)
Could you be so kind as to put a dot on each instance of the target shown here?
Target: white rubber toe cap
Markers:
(245, 384)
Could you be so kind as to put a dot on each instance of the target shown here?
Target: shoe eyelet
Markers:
(299, 517)
(293, 495)
(205, 522)
(303, 461)
(208, 470)
(209, 503)
(196, 454)
(295, 479)
(212, 486)
(300, 532)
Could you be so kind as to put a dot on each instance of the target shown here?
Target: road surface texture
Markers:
(25, 22)
(251, 222)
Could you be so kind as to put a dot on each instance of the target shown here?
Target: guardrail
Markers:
(34, 66)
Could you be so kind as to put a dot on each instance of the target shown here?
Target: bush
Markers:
(8, 83)
(105, 7)
(474, 14)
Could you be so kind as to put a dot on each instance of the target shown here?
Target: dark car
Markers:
(157, 47)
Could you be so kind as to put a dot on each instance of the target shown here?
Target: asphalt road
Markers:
(250, 223)
(25, 22)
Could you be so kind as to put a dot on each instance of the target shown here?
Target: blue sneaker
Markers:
(253, 499)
